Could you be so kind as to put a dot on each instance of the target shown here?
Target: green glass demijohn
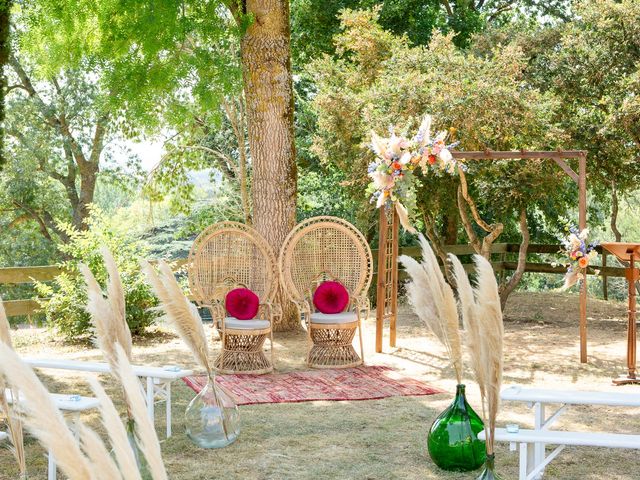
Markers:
(453, 438)
(489, 472)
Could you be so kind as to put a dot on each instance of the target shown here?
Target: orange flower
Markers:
(432, 159)
(583, 262)
(396, 166)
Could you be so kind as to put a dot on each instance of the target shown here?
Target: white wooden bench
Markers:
(158, 379)
(70, 404)
(534, 460)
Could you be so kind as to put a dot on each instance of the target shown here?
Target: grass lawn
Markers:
(386, 439)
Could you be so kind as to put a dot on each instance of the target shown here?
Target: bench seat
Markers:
(553, 437)
(67, 403)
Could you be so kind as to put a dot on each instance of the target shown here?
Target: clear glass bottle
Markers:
(212, 418)
(453, 438)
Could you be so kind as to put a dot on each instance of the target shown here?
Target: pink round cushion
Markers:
(242, 303)
(331, 297)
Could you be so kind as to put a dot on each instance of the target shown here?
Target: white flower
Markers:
(395, 144)
(378, 145)
(574, 241)
(381, 180)
(424, 132)
(445, 155)
(381, 201)
(405, 158)
(584, 234)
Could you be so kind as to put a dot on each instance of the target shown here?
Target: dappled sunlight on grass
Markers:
(384, 439)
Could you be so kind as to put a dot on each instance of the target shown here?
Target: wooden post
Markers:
(605, 282)
(382, 275)
(582, 209)
(393, 314)
(632, 278)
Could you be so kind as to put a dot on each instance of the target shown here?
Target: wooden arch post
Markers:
(387, 284)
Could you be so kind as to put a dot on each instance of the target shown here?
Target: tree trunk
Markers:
(88, 177)
(5, 8)
(266, 68)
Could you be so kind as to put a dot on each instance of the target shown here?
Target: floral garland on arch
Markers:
(398, 157)
(579, 254)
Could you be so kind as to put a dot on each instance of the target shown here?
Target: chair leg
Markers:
(273, 365)
(360, 337)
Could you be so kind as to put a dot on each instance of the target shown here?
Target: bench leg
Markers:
(51, 467)
(150, 399)
(524, 457)
(168, 400)
(539, 448)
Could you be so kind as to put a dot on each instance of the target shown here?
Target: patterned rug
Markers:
(360, 383)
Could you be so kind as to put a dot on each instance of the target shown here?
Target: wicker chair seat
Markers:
(320, 249)
(232, 323)
(337, 318)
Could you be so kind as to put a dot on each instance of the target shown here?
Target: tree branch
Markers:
(614, 212)
(506, 289)
(447, 7)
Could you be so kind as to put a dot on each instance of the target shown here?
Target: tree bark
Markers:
(507, 288)
(5, 9)
(266, 68)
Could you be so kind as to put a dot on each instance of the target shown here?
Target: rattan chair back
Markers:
(227, 255)
(324, 248)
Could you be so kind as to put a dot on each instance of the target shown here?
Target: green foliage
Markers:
(66, 297)
(381, 80)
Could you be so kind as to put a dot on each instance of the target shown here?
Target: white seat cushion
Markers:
(234, 323)
(3, 436)
(344, 317)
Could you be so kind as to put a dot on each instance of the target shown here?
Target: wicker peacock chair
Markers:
(317, 250)
(230, 255)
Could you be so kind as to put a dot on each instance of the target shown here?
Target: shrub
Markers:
(65, 298)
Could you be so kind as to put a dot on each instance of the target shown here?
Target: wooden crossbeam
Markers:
(517, 154)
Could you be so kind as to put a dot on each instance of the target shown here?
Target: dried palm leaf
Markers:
(434, 303)
(144, 429)
(180, 312)
(42, 418)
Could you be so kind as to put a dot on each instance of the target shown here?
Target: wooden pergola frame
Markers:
(387, 284)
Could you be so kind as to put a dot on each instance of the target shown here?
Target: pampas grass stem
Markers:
(42, 418)
(180, 312)
(14, 424)
(433, 301)
(144, 429)
(116, 431)
(482, 317)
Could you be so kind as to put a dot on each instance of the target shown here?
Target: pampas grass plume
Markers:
(433, 301)
(180, 312)
(42, 418)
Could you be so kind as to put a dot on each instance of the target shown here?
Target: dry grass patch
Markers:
(386, 439)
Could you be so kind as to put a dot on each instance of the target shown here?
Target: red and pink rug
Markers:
(360, 383)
